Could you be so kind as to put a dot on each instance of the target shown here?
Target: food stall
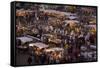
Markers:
(23, 43)
(56, 52)
(38, 47)
(54, 13)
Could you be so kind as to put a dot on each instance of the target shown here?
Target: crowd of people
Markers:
(41, 56)
(72, 33)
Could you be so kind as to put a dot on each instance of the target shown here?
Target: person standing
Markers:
(29, 60)
(33, 57)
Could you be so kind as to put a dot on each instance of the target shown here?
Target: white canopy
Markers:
(54, 49)
(58, 12)
(25, 39)
(88, 54)
(57, 49)
(71, 21)
(72, 17)
(94, 26)
(83, 48)
(93, 46)
(39, 44)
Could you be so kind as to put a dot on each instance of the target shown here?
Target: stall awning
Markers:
(25, 39)
(39, 44)
(54, 49)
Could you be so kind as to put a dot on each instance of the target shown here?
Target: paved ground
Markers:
(21, 58)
